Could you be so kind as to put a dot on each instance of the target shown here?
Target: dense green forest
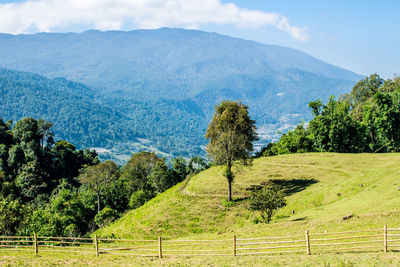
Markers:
(88, 119)
(69, 105)
(53, 189)
(365, 120)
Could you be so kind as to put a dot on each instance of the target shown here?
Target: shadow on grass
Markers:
(288, 186)
(300, 219)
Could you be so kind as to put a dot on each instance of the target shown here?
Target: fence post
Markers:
(385, 238)
(159, 247)
(234, 245)
(308, 243)
(96, 243)
(35, 243)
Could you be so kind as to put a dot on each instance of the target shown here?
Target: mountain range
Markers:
(156, 89)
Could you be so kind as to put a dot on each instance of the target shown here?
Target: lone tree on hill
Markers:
(267, 201)
(231, 134)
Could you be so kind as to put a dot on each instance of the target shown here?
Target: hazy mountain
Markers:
(167, 81)
(81, 118)
(75, 116)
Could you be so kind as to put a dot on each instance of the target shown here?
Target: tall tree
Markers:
(137, 171)
(231, 134)
(100, 177)
(44, 132)
(179, 169)
(161, 177)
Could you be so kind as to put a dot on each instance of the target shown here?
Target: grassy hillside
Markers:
(322, 189)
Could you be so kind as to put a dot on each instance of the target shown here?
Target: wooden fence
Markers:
(384, 239)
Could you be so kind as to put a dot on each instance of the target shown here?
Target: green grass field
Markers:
(322, 188)
(329, 186)
(331, 259)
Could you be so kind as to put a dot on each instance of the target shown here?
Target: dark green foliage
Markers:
(100, 178)
(12, 215)
(32, 169)
(138, 198)
(116, 196)
(296, 141)
(137, 171)
(68, 161)
(267, 201)
(53, 189)
(15, 161)
(179, 169)
(31, 180)
(334, 130)
(366, 120)
(72, 212)
(161, 178)
(105, 217)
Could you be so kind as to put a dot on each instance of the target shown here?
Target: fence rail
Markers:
(383, 239)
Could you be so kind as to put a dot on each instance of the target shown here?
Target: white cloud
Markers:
(45, 15)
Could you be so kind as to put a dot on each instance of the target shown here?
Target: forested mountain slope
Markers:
(81, 116)
(66, 104)
(167, 81)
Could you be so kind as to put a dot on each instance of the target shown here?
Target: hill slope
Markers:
(323, 188)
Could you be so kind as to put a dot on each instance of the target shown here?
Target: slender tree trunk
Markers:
(230, 179)
(229, 190)
(98, 203)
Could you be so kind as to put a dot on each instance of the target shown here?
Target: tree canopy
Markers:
(231, 134)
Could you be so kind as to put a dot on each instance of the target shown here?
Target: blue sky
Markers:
(361, 36)
(357, 35)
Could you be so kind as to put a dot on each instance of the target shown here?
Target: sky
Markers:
(358, 35)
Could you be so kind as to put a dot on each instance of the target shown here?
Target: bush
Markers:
(12, 214)
(106, 216)
(267, 201)
(138, 198)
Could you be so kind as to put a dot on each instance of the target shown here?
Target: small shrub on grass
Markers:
(267, 201)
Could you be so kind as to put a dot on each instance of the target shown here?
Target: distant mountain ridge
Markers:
(168, 80)
(116, 60)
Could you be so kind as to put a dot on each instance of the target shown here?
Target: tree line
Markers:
(53, 189)
(365, 120)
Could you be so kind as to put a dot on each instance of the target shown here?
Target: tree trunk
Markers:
(229, 176)
(98, 203)
(229, 190)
